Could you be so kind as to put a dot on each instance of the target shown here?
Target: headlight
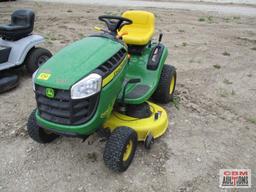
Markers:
(86, 87)
(33, 80)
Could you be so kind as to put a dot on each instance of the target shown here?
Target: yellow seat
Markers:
(141, 30)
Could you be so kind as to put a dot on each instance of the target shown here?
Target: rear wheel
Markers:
(37, 133)
(166, 86)
(35, 58)
(120, 149)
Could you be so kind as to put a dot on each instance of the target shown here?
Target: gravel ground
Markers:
(212, 122)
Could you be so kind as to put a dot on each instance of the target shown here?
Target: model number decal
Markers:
(44, 76)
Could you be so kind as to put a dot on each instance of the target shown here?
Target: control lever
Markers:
(160, 38)
(121, 34)
(130, 81)
(158, 46)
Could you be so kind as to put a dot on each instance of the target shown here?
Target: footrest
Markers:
(138, 91)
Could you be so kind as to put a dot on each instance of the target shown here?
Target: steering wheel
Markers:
(114, 23)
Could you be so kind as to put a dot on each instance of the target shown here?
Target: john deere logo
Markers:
(49, 92)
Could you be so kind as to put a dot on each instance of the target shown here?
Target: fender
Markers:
(19, 49)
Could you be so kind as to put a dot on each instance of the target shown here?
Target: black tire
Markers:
(149, 141)
(163, 94)
(103, 132)
(37, 133)
(8, 82)
(35, 58)
(116, 147)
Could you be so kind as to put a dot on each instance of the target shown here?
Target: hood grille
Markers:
(111, 64)
(62, 109)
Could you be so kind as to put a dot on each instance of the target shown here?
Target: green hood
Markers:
(75, 61)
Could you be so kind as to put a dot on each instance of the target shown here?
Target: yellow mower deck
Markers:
(152, 125)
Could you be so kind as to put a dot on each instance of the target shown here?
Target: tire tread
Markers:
(114, 148)
(161, 93)
(32, 57)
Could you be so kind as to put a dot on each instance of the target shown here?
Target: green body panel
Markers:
(137, 68)
(76, 61)
(107, 99)
(82, 57)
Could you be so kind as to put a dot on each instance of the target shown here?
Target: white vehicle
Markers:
(18, 47)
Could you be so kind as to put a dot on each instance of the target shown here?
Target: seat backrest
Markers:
(141, 19)
(23, 17)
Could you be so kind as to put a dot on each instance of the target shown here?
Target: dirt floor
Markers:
(251, 2)
(212, 120)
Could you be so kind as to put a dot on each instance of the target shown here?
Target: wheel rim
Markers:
(172, 85)
(128, 151)
(42, 60)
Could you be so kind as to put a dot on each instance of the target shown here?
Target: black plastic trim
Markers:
(111, 64)
(155, 57)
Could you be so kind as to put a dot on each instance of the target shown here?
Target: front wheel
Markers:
(8, 82)
(37, 133)
(35, 58)
(165, 90)
(120, 149)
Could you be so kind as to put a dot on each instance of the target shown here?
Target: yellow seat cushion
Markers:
(141, 30)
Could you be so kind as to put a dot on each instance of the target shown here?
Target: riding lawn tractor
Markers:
(18, 47)
(104, 83)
